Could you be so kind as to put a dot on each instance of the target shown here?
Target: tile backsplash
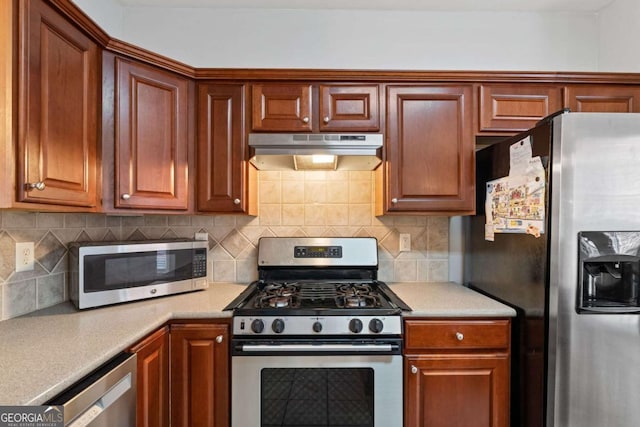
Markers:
(290, 204)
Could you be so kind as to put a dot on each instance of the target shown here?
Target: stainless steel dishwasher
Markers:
(104, 398)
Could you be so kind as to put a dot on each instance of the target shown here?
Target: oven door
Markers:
(316, 384)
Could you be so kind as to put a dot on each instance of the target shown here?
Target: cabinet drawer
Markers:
(456, 334)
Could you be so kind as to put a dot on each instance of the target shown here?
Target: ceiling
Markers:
(454, 5)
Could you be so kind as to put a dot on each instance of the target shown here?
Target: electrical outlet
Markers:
(202, 236)
(24, 256)
(405, 242)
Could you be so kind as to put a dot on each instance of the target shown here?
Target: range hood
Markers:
(294, 151)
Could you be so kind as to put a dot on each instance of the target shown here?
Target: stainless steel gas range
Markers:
(317, 340)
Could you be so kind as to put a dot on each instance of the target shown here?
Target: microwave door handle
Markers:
(316, 347)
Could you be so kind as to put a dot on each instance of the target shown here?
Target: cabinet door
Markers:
(58, 107)
(153, 380)
(430, 150)
(516, 107)
(457, 390)
(151, 138)
(221, 148)
(281, 107)
(602, 99)
(200, 375)
(349, 108)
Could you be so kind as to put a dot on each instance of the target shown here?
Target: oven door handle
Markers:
(316, 347)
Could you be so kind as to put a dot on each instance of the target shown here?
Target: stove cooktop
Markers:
(308, 298)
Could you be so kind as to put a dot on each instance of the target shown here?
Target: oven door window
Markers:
(317, 397)
(118, 271)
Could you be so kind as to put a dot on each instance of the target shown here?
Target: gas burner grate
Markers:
(317, 294)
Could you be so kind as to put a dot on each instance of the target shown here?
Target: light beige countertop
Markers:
(45, 352)
(448, 300)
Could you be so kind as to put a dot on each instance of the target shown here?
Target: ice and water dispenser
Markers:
(609, 272)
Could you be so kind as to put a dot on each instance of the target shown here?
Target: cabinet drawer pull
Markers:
(305, 119)
(394, 200)
(459, 336)
(36, 185)
(414, 370)
(236, 201)
(126, 196)
(219, 339)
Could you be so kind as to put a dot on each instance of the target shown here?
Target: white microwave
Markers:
(114, 272)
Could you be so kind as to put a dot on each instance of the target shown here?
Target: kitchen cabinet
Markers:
(54, 165)
(349, 108)
(149, 135)
(200, 375)
(305, 107)
(457, 372)
(515, 107)
(224, 175)
(429, 163)
(603, 98)
(153, 380)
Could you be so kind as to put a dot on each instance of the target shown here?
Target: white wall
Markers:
(357, 39)
(106, 13)
(619, 35)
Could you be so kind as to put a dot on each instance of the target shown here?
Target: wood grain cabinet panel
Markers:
(429, 150)
(349, 108)
(151, 138)
(281, 107)
(153, 380)
(603, 98)
(457, 372)
(58, 109)
(457, 390)
(515, 107)
(221, 149)
(200, 375)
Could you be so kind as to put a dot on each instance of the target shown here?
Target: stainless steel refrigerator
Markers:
(575, 287)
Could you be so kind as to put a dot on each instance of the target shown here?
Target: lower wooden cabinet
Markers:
(200, 375)
(457, 373)
(153, 379)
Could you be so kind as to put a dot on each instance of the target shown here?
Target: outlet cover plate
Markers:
(24, 256)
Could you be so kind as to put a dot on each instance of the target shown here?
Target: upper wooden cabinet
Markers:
(223, 171)
(429, 165)
(153, 379)
(515, 107)
(349, 108)
(200, 375)
(603, 98)
(279, 107)
(152, 137)
(58, 109)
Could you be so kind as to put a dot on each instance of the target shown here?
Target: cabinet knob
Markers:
(394, 200)
(219, 339)
(36, 185)
(326, 119)
(125, 196)
(236, 201)
(305, 119)
(459, 336)
(414, 370)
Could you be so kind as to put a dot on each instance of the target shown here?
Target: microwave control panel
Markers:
(199, 263)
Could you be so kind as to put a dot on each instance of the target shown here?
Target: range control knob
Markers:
(317, 327)
(277, 326)
(376, 326)
(355, 326)
(257, 326)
